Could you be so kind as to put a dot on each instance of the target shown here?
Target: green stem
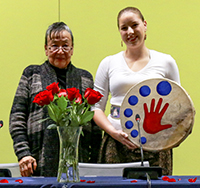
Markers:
(88, 107)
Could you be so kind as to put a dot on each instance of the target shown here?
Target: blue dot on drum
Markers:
(134, 133)
(128, 112)
(145, 91)
(143, 140)
(133, 100)
(129, 124)
(164, 88)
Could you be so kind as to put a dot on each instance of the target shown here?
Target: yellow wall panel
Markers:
(173, 28)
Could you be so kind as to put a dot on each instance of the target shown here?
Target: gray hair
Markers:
(56, 28)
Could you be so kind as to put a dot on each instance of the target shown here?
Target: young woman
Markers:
(116, 75)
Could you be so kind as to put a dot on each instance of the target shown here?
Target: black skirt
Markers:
(113, 151)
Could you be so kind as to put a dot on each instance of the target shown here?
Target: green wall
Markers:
(173, 28)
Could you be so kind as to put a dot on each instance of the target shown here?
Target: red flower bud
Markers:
(53, 87)
(72, 93)
(87, 92)
(43, 98)
(79, 99)
(62, 92)
(92, 96)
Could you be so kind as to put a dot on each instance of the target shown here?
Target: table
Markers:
(100, 182)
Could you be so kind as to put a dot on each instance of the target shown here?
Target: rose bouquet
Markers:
(67, 106)
(69, 111)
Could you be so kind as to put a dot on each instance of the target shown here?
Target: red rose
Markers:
(43, 98)
(87, 92)
(72, 93)
(92, 96)
(53, 87)
(62, 92)
(79, 99)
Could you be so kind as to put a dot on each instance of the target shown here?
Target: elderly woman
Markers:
(36, 147)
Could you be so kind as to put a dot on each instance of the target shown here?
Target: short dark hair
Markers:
(129, 9)
(56, 28)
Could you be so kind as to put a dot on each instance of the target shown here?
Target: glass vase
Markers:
(68, 170)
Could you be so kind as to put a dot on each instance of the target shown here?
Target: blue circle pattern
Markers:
(128, 112)
(145, 91)
(134, 133)
(143, 140)
(129, 124)
(133, 100)
(163, 88)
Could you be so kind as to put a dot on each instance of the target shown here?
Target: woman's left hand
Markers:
(27, 164)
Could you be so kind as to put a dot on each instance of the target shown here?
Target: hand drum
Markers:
(166, 112)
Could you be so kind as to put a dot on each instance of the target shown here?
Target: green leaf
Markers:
(51, 113)
(87, 117)
(62, 103)
(57, 112)
(52, 126)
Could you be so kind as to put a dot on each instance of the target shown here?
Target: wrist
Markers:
(112, 132)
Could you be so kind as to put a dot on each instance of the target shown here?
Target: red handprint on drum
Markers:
(152, 119)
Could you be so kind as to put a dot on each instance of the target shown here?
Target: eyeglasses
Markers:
(57, 48)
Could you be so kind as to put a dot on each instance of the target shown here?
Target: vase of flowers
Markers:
(68, 170)
(70, 111)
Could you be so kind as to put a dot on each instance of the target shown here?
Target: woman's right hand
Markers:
(122, 137)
